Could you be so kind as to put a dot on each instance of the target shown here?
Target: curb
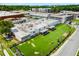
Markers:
(77, 52)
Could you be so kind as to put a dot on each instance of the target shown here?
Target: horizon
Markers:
(39, 4)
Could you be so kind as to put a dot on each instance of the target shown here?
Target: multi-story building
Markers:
(10, 14)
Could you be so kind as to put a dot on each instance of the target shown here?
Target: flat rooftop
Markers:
(8, 13)
(34, 24)
(39, 14)
(61, 15)
(69, 12)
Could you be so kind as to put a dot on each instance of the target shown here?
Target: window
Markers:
(25, 38)
(78, 16)
(33, 31)
(14, 30)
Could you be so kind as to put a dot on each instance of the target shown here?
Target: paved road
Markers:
(70, 48)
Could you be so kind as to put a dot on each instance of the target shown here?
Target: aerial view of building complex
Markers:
(39, 30)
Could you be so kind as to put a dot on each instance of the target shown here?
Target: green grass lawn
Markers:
(42, 45)
(76, 21)
(1, 53)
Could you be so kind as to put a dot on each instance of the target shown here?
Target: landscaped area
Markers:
(76, 21)
(77, 53)
(43, 45)
(9, 52)
(4, 44)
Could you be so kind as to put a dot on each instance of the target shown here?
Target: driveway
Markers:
(70, 48)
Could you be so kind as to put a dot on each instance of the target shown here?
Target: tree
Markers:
(5, 26)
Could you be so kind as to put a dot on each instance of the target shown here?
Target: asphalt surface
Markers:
(70, 48)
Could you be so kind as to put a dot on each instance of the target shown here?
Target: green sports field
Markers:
(43, 45)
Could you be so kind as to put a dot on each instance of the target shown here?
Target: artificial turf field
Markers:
(42, 45)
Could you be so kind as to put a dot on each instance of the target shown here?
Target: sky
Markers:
(39, 2)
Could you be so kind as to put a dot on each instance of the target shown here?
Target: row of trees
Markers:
(11, 7)
(65, 7)
(55, 8)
